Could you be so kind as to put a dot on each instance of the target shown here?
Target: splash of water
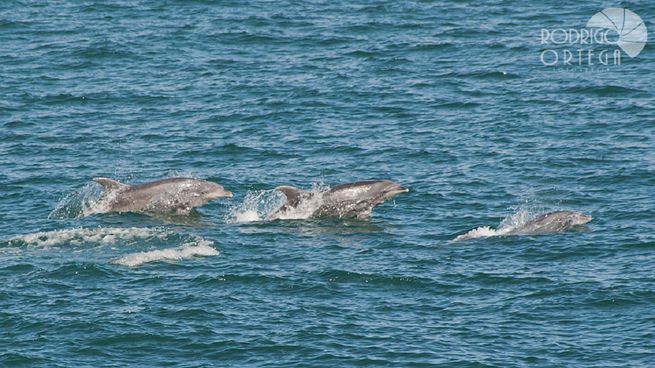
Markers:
(520, 216)
(256, 206)
(79, 203)
(310, 201)
(263, 205)
(101, 205)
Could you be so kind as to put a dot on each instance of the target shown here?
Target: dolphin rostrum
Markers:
(547, 223)
(172, 195)
(342, 201)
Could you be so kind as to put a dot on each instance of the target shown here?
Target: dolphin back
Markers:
(551, 222)
(178, 195)
(109, 185)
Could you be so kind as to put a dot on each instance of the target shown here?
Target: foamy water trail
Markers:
(480, 232)
(118, 236)
(198, 247)
(79, 236)
(263, 205)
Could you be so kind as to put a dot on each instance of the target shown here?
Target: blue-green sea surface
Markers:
(449, 98)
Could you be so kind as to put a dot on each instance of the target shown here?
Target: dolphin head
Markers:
(563, 219)
(209, 190)
(578, 218)
(197, 192)
(388, 189)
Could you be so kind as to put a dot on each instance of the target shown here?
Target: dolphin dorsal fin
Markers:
(293, 194)
(109, 184)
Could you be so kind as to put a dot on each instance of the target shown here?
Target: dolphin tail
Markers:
(109, 185)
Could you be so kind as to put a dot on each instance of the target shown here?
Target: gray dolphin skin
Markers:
(342, 201)
(548, 223)
(552, 222)
(172, 195)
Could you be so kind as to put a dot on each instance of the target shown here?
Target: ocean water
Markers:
(448, 98)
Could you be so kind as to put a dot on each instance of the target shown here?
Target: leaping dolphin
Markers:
(547, 223)
(172, 195)
(342, 201)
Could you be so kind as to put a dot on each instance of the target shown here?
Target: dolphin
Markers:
(172, 195)
(341, 201)
(547, 223)
(552, 222)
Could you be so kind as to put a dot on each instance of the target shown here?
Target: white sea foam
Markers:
(247, 216)
(77, 236)
(111, 236)
(481, 232)
(199, 247)
(255, 206)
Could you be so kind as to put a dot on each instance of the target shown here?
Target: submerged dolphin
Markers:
(173, 195)
(547, 223)
(342, 201)
(552, 222)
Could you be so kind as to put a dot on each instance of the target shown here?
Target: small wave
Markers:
(81, 236)
(199, 247)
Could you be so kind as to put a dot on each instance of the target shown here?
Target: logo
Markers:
(595, 45)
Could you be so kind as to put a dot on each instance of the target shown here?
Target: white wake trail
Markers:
(77, 236)
(71, 239)
(198, 247)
